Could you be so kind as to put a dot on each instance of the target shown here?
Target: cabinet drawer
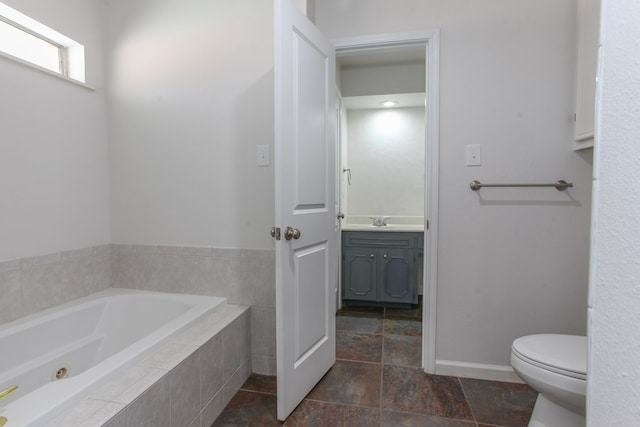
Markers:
(379, 239)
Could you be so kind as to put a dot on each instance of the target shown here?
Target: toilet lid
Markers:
(563, 354)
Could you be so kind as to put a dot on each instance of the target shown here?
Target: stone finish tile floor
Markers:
(377, 381)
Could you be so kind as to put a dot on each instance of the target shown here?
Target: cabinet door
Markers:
(360, 274)
(397, 276)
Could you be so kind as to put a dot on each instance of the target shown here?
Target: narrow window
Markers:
(30, 41)
(29, 47)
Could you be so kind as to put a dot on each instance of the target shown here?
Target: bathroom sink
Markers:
(383, 228)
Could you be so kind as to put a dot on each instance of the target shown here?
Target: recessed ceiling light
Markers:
(389, 103)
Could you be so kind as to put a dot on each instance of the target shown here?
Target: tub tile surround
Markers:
(263, 340)
(187, 382)
(243, 276)
(36, 283)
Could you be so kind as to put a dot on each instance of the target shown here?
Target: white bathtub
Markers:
(92, 338)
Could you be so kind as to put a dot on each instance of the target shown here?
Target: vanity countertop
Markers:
(384, 228)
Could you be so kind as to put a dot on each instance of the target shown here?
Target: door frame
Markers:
(339, 196)
(431, 40)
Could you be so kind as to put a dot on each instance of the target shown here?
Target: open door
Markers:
(305, 232)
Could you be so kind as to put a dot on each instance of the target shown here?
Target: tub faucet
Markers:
(6, 392)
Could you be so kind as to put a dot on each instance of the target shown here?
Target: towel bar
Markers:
(560, 185)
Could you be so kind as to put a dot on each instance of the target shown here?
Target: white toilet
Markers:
(556, 367)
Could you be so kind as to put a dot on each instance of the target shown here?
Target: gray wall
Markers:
(382, 79)
(190, 87)
(511, 262)
(53, 150)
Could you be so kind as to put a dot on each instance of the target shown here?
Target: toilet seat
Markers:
(562, 354)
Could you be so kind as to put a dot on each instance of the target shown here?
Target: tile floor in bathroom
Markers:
(377, 381)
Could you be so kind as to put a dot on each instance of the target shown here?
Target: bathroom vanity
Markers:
(380, 264)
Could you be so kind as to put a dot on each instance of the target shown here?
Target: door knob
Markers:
(291, 232)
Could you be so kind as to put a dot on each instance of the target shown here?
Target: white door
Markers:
(305, 201)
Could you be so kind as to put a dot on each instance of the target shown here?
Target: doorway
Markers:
(401, 68)
(306, 256)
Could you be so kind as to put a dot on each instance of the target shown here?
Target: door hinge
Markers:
(275, 232)
(427, 224)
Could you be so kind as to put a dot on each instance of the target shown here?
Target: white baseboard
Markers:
(477, 370)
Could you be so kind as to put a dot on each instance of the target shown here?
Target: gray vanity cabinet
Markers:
(380, 266)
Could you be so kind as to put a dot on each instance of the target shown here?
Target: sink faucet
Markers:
(379, 221)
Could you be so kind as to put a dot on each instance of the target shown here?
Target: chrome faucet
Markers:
(379, 221)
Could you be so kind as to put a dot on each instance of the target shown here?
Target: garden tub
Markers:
(56, 357)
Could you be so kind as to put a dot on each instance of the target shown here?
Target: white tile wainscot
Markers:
(187, 383)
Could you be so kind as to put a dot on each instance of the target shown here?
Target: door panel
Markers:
(304, 160)
(312, 318)
(310, 81)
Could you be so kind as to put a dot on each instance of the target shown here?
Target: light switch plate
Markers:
(474, 157)
(263, 155)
